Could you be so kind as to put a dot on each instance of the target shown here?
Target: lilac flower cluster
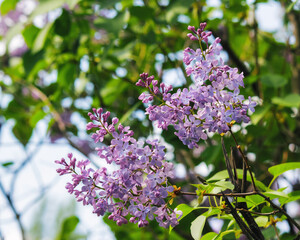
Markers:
(140, 184)
(209, 105)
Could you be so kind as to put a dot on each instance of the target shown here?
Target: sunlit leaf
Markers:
(262, 221)
(197, 227)
(259, 113)
(41, 38)
(281, 168)
(290, 100)
(7, 5)
(276, 194)
(29, 34)
(185, 209)
(293, 196)
(219, 176)
(209, 236)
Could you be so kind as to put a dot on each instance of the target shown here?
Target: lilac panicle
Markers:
(209, 105)
(140, 184)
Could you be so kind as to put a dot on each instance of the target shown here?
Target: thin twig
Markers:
(220, 194)
(280, 209)
(12, 206)
(245, 160)
(258, 213)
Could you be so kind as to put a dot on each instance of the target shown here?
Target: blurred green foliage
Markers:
(96, 50)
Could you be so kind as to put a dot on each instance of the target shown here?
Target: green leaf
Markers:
(129, 112)
(7, 6)
(185, 209)
(218, 176)
(269, 233)
(21, 132)
(7, 164)
(293, 196)
(197, 227)
(224, 175)
(211, 211)
(254, 200)
(276, 194)
(31, 62)
(287, 236)
(66, 75)
(141, 12)
(290, 7)
(68, 226)
(111, 93)
(222, 234)
(281, 168)
(259, 113)
(41, 38)
(108, 3)
(290, 100)
(38, 115)
(261, 221)
(209, 236)
(62, 25)
(273, 80)
(29, 34)
(224, 185)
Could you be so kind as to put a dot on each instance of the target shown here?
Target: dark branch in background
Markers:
(294, 19)
(257, 85)
(13, 208)
(232, 55)
(23, 164)
(56, 116)
(245, 161)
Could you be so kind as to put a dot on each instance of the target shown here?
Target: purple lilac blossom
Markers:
(209, 105)
(140, 184)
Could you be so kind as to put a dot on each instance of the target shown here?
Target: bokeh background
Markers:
(60, 58)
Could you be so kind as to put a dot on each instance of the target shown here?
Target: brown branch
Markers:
(245, 229)
(245, 160)
(219, 194)
(257, 84)
(294, 19)
(13, 208)
(279, 209)
(258, 213)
